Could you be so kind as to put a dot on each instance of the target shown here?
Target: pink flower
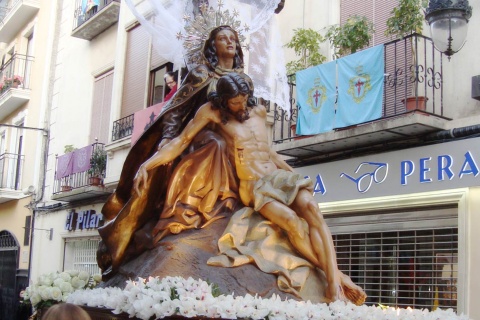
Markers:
(17, 78)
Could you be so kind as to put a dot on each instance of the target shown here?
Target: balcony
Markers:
(11, 165)
(15, 15)
(14, 83)
(75, 175)
(89, 22)
(413, 69)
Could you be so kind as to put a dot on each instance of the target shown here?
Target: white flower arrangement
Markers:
(55, 287)
(159, 298)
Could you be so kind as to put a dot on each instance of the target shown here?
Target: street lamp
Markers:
(448, 24)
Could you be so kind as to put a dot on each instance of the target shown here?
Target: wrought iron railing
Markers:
(413, 71)
(68, 180)
(83, 13)
(122, 128)
(15, 73)
(11, 167)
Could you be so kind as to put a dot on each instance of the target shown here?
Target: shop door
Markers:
(8, 268)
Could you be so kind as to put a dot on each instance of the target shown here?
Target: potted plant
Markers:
(306, 44)
(353, 35)
(406, 19)
(68, 148)
(16, 81)
(98, 165)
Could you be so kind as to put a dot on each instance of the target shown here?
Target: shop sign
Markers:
(88, 219)
(436, 167)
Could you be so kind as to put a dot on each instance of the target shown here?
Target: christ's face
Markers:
(238, 107)
(225, 44)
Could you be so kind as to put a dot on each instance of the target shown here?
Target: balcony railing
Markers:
(15, 73)
(122, 128)
(11, 165)
(14, 77)
(413, 69)
(103, 14)
(72, 169)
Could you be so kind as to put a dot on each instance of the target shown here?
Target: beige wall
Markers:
(472, 239)
(459, 70)
(12, 219)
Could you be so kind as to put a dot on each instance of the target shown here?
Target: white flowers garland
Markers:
(169, 296)
(55, 287)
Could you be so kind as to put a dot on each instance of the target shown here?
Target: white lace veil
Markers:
(164, 21)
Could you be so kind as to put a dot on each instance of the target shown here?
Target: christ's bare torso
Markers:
(250, 151)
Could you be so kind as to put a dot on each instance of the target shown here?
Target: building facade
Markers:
(380, 184)
(25, 58)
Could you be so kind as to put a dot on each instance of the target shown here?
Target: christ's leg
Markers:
(322, 243)
(287, 219)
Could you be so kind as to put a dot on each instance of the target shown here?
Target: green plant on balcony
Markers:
(98, 165)
(306, 44)
(69, 148)
(350, 37)
(406, 19)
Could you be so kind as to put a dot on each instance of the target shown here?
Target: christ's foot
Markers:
(351, 291)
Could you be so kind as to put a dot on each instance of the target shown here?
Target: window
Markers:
(11, 163)
(136, 72)
(101, 105)
(158, 89)
(401, 259)
(81, 255)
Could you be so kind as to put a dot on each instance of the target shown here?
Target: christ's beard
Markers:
(241, 116)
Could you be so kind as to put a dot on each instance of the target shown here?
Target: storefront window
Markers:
(403, 267)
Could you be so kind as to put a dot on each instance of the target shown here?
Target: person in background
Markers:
(170, 81)
(66, 311)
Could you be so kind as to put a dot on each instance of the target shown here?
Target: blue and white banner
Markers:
(360, 87)
(316, 96)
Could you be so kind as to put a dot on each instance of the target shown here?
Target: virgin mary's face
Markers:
(225, 44)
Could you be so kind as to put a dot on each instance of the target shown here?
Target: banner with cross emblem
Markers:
(316, 99)
(360, 87)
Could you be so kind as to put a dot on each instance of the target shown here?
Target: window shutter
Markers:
(136, 74)
(102, 102)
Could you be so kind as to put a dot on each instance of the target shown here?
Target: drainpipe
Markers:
(454, 133)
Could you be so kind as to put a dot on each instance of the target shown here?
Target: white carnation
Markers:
(66, 287)
(65, 276)
(35, 298)
(84, 275)
(45, 292)
(78, 283)
(46, 279)
(56, 294)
